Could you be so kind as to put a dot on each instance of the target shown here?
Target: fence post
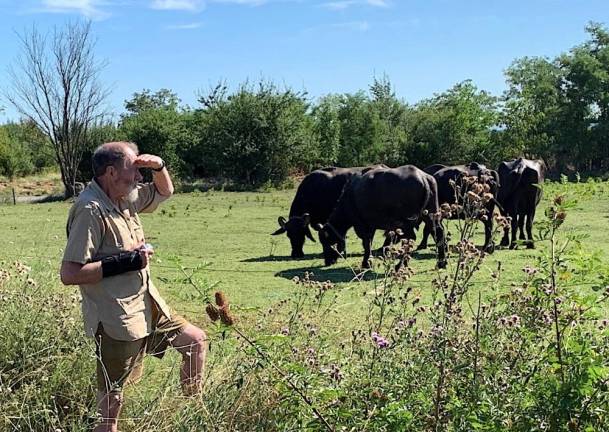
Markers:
(14, 198)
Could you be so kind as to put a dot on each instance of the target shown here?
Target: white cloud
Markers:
(88, 8)
(189, 26)
(185, 5)
(243, 2)
(378, 3)
(344, 4)
(361, 26)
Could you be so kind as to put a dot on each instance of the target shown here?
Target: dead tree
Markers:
(55, 84)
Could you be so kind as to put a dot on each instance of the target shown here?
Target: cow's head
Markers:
(333, 243)
(297, 228)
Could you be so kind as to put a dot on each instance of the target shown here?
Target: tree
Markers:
(55, 85)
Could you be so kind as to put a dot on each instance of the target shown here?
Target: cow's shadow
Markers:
(280, 258)
(332, 274)
(288, 258)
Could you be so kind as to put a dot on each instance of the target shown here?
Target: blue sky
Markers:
(320, 46)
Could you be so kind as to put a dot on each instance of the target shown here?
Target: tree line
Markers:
(261, 133)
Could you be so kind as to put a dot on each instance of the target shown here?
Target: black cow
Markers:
(382, 198)
(519, 195)
(446, 194)
(432, 169)
(315, 199)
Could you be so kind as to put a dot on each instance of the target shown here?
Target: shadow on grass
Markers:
(278, 258)
(322, 274)
(287, 258)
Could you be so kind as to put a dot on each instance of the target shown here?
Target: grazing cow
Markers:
(432, 169)
(382, 198)
(315, 199)
(446, 194)
(519, 195)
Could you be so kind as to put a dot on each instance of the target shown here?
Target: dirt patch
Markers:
(32, 186)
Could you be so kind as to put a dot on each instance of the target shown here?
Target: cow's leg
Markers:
(514, 228)
(367, 244)
(505, 241)
(521, 219)
(489, 246)
(426, 231)
(437, 231)
(530, 218)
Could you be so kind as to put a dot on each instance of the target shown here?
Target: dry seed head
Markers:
(221, 299)
(226, 317)
(212, 312)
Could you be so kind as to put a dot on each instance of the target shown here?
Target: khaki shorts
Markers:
(121, 362)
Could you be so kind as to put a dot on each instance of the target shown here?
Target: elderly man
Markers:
(106, 255)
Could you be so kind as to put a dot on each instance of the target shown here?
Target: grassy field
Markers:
(228, 235)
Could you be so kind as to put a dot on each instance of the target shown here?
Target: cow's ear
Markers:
(306, 219)
(279, 231)
(317, 226)
(308, 234)
(281, 221)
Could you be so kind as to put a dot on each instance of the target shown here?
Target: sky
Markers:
(319, 46)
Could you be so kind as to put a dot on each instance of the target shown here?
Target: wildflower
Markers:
(335, 373)
(379, 340)
(285, 331)
(603, 324)
(530, 270)
(559, 200)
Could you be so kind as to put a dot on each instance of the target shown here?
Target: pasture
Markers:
(226, 237)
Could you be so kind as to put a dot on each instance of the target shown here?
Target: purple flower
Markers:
(379, 340)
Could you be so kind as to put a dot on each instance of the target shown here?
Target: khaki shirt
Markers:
(97, 228)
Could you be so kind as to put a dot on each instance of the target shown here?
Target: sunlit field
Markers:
(208, 241)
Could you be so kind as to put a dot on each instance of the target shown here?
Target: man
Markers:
(106, 255)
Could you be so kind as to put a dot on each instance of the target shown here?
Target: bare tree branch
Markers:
(55, 84)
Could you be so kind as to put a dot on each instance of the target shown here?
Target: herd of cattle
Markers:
(333, 200)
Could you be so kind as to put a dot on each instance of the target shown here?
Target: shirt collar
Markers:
(101, 195)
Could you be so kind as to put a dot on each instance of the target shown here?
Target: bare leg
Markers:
(192, 344)
(109, 408)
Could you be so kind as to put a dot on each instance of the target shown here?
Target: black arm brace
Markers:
(121, 263)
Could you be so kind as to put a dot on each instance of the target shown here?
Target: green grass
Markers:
(230, 232)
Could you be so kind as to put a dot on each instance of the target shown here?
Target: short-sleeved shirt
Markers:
(98, 228)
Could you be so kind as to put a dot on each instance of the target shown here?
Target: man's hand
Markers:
(145, 253)
(148, 161)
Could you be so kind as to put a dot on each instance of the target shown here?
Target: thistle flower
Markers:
(379, 340)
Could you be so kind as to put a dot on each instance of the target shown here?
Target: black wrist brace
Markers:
(121, 263)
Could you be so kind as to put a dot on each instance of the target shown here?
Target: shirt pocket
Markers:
(132, 305)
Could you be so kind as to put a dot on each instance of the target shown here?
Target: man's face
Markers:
(127, 176)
